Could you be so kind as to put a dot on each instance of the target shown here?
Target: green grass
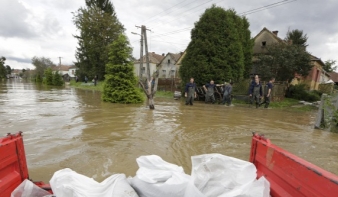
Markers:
(88, 86)
(286, 104)
(100, 84)
(165, 94)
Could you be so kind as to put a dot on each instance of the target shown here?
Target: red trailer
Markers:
(288, 174)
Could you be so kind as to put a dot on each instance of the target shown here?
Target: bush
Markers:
(57, 79)
(299, 92)
(48, 80)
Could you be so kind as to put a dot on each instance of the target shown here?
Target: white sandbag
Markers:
(220, 175)
(68, 183)
(158, 178)
(28, 189)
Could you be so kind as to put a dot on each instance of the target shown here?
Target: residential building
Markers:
(317, 74)
(179, 63)
(167, 67)
(72, 71)
(334, 77)
(154, 61)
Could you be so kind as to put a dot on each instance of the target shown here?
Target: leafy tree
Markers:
(104, 5)
(283, 61)
(57, 79)
(8, 70)
(330, 66)
(48, 80)
(3, 70)
(41, 64)
(98, 26)
(120, 81)
(220, 48)
(297, 37)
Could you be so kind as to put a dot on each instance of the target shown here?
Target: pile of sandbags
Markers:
(213, 175)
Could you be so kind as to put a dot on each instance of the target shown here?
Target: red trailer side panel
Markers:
(13, 166)
(288, 174)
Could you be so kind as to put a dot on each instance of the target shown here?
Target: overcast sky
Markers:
(44, 27)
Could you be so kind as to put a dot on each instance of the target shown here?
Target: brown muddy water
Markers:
(72, 128)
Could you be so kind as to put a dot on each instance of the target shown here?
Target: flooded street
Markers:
(72, 128)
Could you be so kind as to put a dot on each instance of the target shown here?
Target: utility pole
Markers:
(151, 87)
(141, 56)
(60, 63)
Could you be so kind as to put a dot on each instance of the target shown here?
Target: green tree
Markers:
(3, 70)
(41, 64)
(120, 81)
(8, 69)
(283, 61)
(297, 37)
(220, 48)
(330, 66)
(104, 5)
(48, 80)
(98, 26)
(57, 79)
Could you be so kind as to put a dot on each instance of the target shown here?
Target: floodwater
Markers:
(72, 128)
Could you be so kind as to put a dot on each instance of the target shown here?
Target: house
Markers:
(179, 63)
(72, 71)
(167, 67)
(334, 77)
(317, 74)
(154, 61)
(62, 69)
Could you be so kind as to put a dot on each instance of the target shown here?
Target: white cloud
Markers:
(45, 27)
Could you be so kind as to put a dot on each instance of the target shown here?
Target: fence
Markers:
(326, 88)
(169, 84)
(327, 113)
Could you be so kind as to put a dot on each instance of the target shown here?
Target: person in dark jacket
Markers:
(210, 91)
(251, 84)
(256, 92)
(267, 92)
(227, 90)
(190, 92)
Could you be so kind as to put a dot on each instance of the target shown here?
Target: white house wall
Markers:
(166, 69)
(137, 69)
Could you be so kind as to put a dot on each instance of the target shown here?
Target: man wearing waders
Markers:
(256, 92)
(251, 84)
(190, 92)
(210, 90)
(267, 92)
(227, 89)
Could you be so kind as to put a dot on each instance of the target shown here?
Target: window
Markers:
(164, 71)
(263, 43)
(72, 72)
(143, 70)
(168, 61)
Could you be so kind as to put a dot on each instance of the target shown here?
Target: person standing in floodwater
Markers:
(210, 90)
(256, 91)
(95, 80)
(267, 92)
(190, 92)
(227, 90)
(86, 79)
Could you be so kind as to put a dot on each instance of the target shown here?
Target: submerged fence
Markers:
(327, 116)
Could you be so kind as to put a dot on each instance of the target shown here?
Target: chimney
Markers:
(162, 54)
(153, 52)
(275, 32)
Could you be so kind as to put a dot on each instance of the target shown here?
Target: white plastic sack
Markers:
(68, 183)
(220, 175)
(28, 189)
(158, 178)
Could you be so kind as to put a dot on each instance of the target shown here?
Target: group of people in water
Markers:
(255, 92)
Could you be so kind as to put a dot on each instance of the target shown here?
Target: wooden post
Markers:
(141, 57)
(149, 91)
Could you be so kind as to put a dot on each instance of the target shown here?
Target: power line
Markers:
(188, 10)
(164, 11)
(243, 14)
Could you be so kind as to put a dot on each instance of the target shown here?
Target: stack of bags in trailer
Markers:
(213, 175)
